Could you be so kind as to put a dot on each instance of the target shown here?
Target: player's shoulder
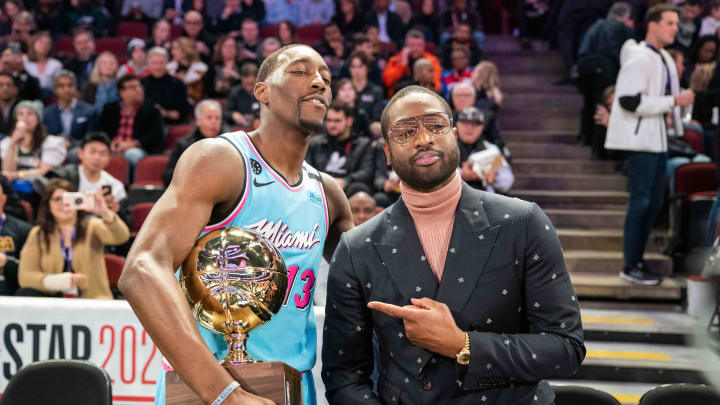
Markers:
(208, 159)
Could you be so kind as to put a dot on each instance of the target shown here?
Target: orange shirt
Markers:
(396, 70)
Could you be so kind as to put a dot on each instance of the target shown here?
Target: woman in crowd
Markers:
(427, 18)
(344, 91)
(187, 66)
(704, 52)
(286, 33)
(11, 10)
(38, 62)
(64, 253)
(138, 63)
(160, 36)
(29, 152)
(486, 80)
(101, 88)
(349, 19)
(225, 72)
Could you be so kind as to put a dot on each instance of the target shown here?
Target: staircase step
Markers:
(507, 43)
(526, 62)
(540, 102)
(548, 151)
(604, 285)
(570, 182)
(638, 326)
(577, 166)
(534, 136)
(646, 363)
(606, 239)
(526, 121)
(626, 393)
(573, 199)
(608, 262)
(531, 84)
(586, 219)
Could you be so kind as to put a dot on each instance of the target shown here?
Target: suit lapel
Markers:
(403, 256)
(471, 244)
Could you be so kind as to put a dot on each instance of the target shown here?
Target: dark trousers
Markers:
(646, 177)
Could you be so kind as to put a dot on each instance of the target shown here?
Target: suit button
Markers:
(427, 385)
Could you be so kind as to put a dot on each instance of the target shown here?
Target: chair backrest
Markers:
(685, 394)
(114, 265)
(64, 46)
(176, 31)
(29, 213)
(693, 177)
(268, 30)
(118, 168)
(149, 170)
(573, 395)
(694, 138)
(115, 45)
(175, 133)
(59, 382)
(140, 212)
(309, 34)
(132, 29)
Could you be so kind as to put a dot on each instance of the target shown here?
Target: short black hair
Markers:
(359, 55)
(415, 33)
(127, 78)
(270, 63)
(96, 136)
(343, 107)
(385, 118)
(15, 80)
(654, 13)
(359, 38)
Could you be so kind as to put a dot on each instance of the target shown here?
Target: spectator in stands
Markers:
(268, 46)
(12, 62)
(133, 124)
(242, 108)
(50, 15)
(230, 18)
(399, 65)
(23, 27)
(64, 252)
(385, 180)
(69, 117)
(8, 100)
(688, 26)
(428, 19)
(90, 175)
(187, 66)
(253, 9)
(29, 152)
(249, 39)
(208, 124)
(101, 88)
(149, 9)
(464, 95)
(369, 95)
(461, 70)
(278, 11)
(349, 19)
(224, 74)
(167, 93)
(703, 52)
(160, 36)
(333, 48)
(366, 116)
(84, 60)
(286, 32)
(644, 98)
(711, 22)
(389, 25)
(495, 175)
(13, 233)
(362, 205)
(460, 12)
(38, 62)
(339, 152)
(137, 64)
(423, 75)
(11, 10)
(486, 80)
(317, 12)
(193, 28)
(173, 10)
(90, 16)
(462, 38)
(380, 51)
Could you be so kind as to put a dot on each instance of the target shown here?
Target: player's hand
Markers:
(242, 397)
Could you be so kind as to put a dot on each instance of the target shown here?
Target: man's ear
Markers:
(388, 155)
(261, 93)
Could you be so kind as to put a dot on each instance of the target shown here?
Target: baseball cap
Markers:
(471, 114)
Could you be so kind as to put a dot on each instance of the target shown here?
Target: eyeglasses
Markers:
(56, 200)
(404, 131)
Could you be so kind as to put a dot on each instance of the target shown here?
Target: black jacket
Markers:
(7, 124)
(505, 283)
(170, 92)
(29, 86)
(81, 69)
(147, 129)
(358, 163)
(13, 234)
(476, 54)
(395, 26)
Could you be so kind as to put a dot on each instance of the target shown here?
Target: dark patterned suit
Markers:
(504, 281)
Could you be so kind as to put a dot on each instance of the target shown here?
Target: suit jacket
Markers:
(395, 26)
(148, 127)
(83, 120)
(505, 283)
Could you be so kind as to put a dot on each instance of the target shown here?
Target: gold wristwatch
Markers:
(463, 357)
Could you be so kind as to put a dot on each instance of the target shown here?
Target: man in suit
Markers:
(390, 26)
(84, 60)
(69, 117)
(466, 291)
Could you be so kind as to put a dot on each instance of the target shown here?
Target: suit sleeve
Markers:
(632, 88)
(347, 353)
(553, 345)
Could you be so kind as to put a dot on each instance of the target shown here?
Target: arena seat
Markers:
(268, 30)
(694, 138)
(573, 395)
(175, 133)
(64, 46)
(118, 168)
(131, 29)
(690, 178)
(59, 382)
(686, 394)
(115, 45)
(149, 171)
(29, 214)
(176, 31)
(309, 34)
(139, 214)
(114, 265)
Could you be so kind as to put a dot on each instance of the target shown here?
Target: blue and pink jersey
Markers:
(295, 219)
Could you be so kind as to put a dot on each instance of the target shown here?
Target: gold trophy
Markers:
(235, 280)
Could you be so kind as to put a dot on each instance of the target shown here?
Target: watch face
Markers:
(463, 358)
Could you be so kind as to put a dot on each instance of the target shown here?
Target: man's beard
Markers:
(308, 127)
(449, 162)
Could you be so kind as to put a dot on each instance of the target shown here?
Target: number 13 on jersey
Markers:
(307, 278)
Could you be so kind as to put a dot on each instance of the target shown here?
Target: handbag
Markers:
(678, 148)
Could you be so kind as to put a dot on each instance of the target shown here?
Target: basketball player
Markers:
(258, 181)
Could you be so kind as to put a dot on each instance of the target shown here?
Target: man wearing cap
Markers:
(482, 165)
(138, 64)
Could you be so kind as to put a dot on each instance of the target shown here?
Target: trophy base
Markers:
(273, 380)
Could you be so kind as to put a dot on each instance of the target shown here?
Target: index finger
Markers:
(390, 309)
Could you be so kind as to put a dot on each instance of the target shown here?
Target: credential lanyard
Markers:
(67, 253)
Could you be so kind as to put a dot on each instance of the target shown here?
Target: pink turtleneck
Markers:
(434, 216)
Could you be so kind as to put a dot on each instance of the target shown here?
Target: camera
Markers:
(78, 201)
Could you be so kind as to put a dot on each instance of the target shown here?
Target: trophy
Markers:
(235, 280)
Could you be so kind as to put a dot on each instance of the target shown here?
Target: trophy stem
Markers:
(236, 349)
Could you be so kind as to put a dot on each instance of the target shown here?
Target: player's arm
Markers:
(207, 174)
(339, 214)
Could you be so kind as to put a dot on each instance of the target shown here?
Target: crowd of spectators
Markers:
(84, 83)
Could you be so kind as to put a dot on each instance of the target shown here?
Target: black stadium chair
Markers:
(574, 395)
(59, 382)
(685, 394)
